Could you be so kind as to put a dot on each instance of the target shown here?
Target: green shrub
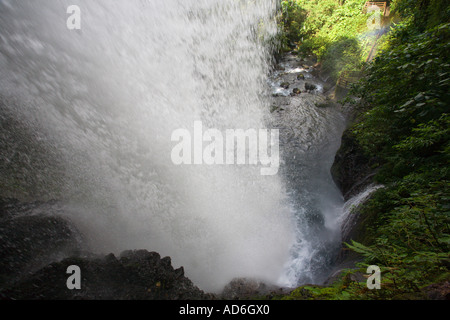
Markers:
(402, 105)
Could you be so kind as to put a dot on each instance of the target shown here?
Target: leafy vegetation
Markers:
(403, 122)
(334, 31)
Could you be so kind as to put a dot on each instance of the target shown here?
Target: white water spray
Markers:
(102, 103)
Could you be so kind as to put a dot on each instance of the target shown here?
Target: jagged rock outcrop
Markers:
(353, 173)
(310, 86)
(31, 236)
(351, 170)
(135, 275)
(37, 245)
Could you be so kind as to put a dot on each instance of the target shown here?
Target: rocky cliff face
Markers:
(351, 169)
(353, 174)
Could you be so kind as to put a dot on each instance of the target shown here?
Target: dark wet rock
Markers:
(279, 68)
(347, 277)
(31, 236)
(352, 171)
(310, 86)
(285, 85)
(135, 275)
(244, 288)
(335, 275)
(438, 291)
(357, 277)
(276, 108)
(38, 244)
(296, 91)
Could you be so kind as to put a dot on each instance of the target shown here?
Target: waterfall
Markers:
(90, 114)
(87, 117)
(348, 217)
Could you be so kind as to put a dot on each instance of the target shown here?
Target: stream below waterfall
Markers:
(311, 126)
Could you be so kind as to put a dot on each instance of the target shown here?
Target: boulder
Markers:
(246, 288)
(285, 85)
(37, 245)
(134, 275)
(351, 170)
(31, 236)
(310, 86)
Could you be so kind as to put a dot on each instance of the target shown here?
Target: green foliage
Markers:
(331, 30)
(329, 22)
(426, 13)
(293, 17)
(403, 123)
(405, 97)
(411, 236)
(427, 137)
(343, 54)
(316, 293)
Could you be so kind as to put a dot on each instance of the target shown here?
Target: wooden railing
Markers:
(379, 4)
(347, 78)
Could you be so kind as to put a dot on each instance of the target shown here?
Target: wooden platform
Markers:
(347, 78)
(382, 5)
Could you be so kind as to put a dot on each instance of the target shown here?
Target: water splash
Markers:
(347, 218)
(90, 115)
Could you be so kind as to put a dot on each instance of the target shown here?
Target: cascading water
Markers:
(87, 117)
(310, 135)
(347, 218)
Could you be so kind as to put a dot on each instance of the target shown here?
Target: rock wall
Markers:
(135, 275)
(353, 173)
(351, 170)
